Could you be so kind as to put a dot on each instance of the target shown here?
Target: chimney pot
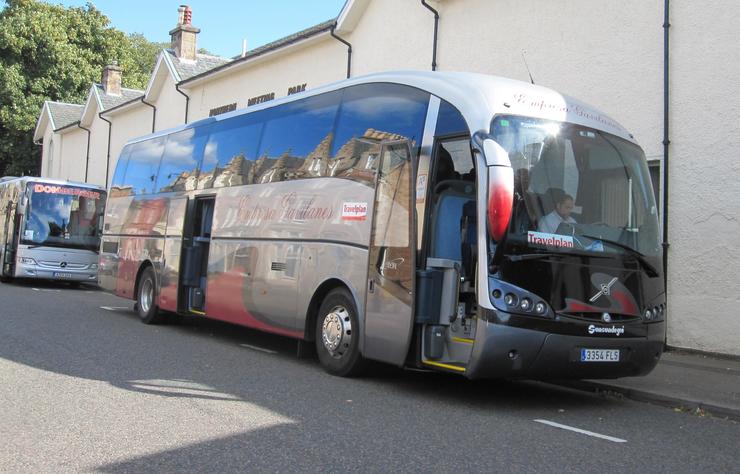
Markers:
(183, 36)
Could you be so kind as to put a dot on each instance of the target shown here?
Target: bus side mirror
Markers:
(495, 154)
(22, 205)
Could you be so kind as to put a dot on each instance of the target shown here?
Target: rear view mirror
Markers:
(495, 153)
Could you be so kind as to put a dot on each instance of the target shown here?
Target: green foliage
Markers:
(49, 52)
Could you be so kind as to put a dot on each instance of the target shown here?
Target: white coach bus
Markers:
(50, 229)
(450, 221)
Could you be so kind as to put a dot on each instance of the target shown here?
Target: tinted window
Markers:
(179, 168)
(143, 164)
(229, 155)
(117, 185)
(370, 114)
(450, 121)
(297, 140)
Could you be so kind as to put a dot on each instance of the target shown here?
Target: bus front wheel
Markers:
(145, 298)
(338, 335)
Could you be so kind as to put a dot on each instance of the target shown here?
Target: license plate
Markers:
(599, 355)
(62, 275)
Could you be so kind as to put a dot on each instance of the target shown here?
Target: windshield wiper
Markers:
(540, 255)
(651, 271)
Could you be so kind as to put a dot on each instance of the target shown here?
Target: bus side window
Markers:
(179, 168)
(143, 165)
(118, 185)
(230, 154)
(370, 114)
(297, 139)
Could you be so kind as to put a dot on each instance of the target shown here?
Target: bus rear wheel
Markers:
(145, 298)
(338, 335)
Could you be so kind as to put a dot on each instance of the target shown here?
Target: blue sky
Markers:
(223, 23)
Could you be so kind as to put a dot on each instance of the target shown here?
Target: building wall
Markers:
(704, 265)
(98, 151)
(170, 106)
(392, 35)
(127, 124)
(73, 153)
(322, 62)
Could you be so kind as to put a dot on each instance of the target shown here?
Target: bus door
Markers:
(195, 254)
(7, 251)
(389, 309)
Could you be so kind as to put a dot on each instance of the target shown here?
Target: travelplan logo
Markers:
(616, 330)
(354, 211)
(552, 240)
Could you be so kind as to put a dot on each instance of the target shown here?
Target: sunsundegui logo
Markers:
(616, 330)
(354, 211)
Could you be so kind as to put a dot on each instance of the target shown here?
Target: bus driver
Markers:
(550, 223)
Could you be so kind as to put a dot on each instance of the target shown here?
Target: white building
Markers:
(609, 53)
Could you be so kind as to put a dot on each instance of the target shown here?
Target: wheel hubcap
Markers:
(336, 332)
(146, 296)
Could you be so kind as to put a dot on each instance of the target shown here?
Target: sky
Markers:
(223, 23)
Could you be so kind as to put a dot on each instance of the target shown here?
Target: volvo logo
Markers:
(605, 290)
(63, 264)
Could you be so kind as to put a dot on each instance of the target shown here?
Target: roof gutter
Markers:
(107, 158)
(154, 112)
(349, 49)
(87, 154)
(666, 140)
(436, 26)
(187, 100)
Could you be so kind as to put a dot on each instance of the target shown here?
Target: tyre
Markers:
(338, 335)
(145, 298)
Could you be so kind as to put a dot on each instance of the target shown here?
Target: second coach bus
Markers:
(449, 221)
(50, 229)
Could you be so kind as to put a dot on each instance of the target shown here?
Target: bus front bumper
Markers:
(503, 351)
(59, 274)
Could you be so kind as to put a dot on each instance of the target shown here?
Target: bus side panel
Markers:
(170, 277)
(141, 239)
(254, 284)
(271, 246)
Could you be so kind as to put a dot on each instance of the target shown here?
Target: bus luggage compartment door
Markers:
(389, 309)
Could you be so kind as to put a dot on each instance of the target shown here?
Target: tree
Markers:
(49, 52)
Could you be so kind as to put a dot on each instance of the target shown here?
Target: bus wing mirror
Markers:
(495, 153)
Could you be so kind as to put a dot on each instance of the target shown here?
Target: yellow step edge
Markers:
(444, 366)
(464, 340)
(202, 313)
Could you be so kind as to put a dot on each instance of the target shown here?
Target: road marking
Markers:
(48, 290)
(114, 308)
(578, 430)
(261, 349)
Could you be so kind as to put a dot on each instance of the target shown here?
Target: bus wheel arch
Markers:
(145, 293)
(337, 333)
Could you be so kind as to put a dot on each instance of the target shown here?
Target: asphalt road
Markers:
(84, 388)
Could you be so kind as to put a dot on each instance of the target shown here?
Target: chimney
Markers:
(184, 35)
(112, 79)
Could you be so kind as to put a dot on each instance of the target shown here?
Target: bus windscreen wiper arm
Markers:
(651, 271)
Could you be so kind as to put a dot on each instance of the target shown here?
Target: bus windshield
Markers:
(577, 189)
(63, 216)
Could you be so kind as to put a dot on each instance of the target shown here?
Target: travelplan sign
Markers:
(549, 240)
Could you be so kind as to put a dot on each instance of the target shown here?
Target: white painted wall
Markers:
(170, 106)
(704, 221)
(98, 151)
(127, 124)
(321, 62)
(73, 153)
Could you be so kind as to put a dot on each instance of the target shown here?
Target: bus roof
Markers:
(478, 97)
(58, 182)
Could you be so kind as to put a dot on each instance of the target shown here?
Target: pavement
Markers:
(703, 384)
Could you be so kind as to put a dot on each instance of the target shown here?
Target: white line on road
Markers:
(578, 430)
(114, 308)
(46, 289)
(261, 349)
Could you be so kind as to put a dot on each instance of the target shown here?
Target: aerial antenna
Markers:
(527, 66)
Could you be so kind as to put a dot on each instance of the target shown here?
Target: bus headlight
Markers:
(93, 266)
(26, 261)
